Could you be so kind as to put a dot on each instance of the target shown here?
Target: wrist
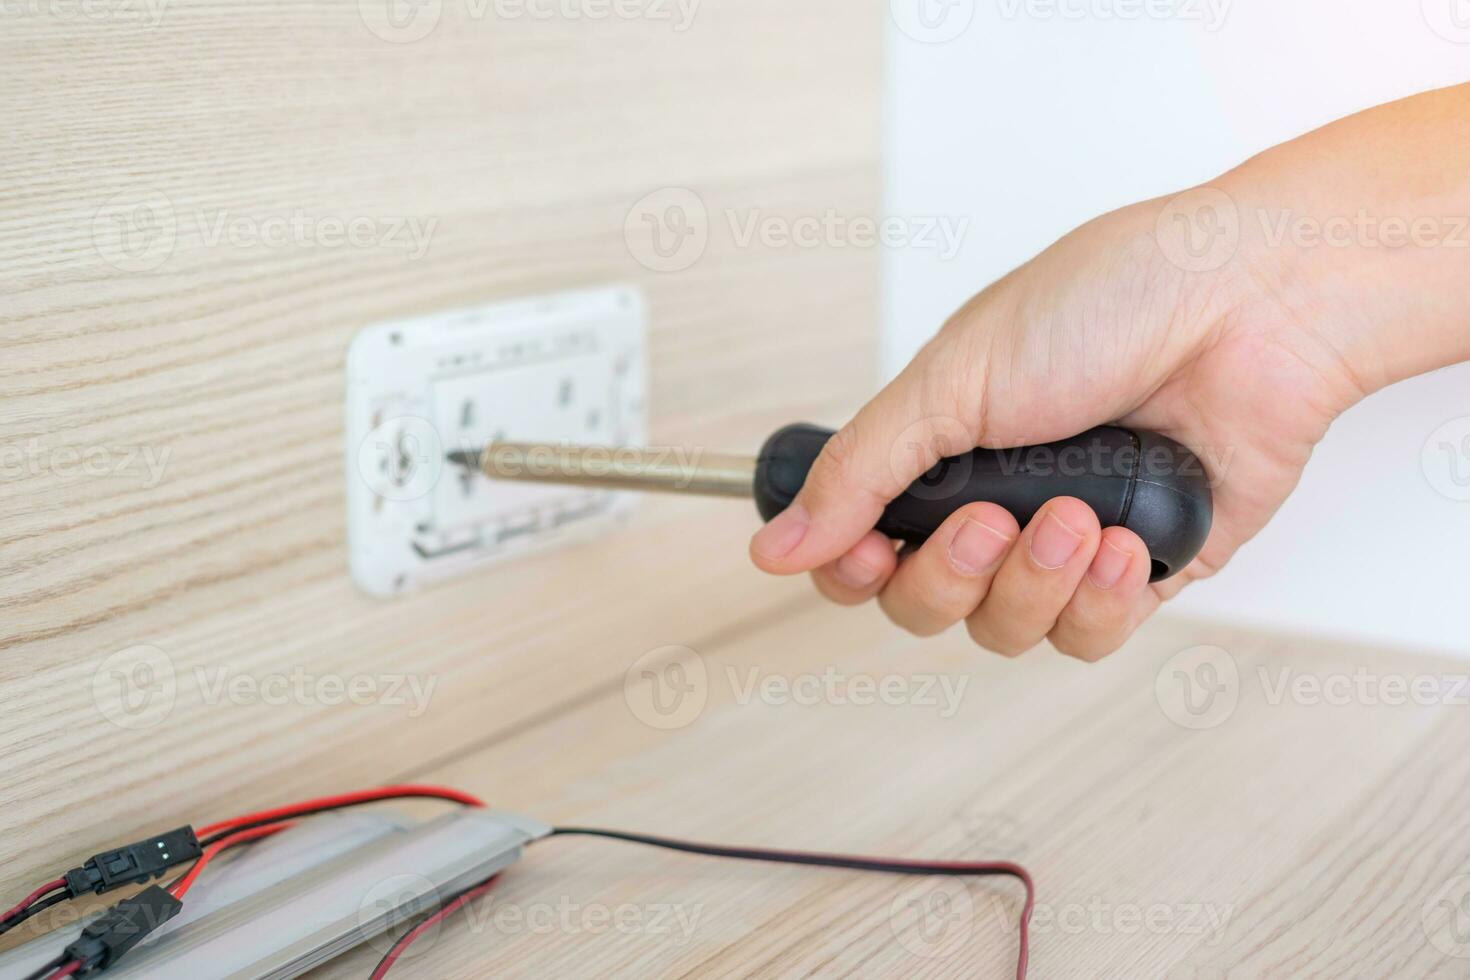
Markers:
(1227, 282)
(1377, 287)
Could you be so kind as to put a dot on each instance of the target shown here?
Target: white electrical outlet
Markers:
(562, 368)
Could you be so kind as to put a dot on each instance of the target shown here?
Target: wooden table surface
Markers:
(1210, 803)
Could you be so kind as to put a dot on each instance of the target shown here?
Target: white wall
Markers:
(1030, 122)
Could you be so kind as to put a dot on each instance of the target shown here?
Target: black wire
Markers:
(35, 908)
(976, 869)
(790, 857)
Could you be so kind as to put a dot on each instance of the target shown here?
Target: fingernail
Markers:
(782, 533)
(1054, 543)
(976, 547)
(1109, 565)
(854, 574)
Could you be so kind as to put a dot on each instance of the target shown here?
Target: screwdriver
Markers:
(1131, 478)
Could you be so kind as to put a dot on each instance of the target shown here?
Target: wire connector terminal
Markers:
(111, 935)
(134, 864)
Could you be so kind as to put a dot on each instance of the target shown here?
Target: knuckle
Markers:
(1089, 652)
(922, 630)
(837, 454)
(835, 593)
(913, 618)
(1068, 645)
(1082, 621)
(830, 479)
(995, 642)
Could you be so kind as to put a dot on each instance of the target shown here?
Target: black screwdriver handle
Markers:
(1140, 480)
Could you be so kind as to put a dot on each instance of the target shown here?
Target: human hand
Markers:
(1102, 327)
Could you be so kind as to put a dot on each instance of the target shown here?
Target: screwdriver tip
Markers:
(470, 460)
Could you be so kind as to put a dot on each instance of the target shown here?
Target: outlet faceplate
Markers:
(562, 368)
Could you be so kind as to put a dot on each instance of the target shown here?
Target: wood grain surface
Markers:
(171, 449)
(1312, 819)
(178, 289)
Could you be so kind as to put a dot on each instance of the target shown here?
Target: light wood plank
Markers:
(527, 141)
(1292, 840)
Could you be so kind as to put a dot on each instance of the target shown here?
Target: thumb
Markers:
(889, 444)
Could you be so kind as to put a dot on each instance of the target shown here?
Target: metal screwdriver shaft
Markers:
(1140, 480)
(616, 468)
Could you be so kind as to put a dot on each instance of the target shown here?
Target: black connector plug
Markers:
(111, 935)
(134, 864)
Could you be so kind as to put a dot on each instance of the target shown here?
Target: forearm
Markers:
(1361, 231)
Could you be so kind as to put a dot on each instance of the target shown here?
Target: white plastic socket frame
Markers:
(561, 368)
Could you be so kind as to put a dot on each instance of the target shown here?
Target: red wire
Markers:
(1023, 930)
(850, 862)
(1023, 927)
(278, 823)
(180, 887)
(346, 799)
(407, 939)
(50, 886)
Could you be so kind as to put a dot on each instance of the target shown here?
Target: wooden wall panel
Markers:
(525, 142)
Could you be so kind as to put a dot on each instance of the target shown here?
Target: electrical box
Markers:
(565, 368)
